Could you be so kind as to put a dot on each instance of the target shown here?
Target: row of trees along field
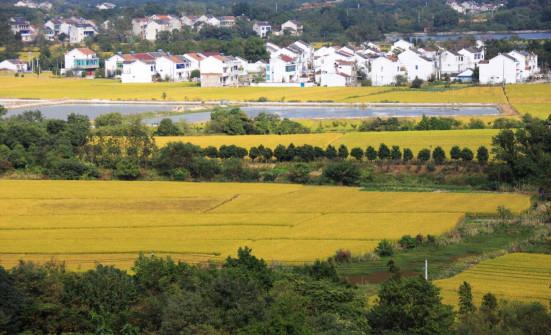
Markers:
(242, 296)
(125, 149)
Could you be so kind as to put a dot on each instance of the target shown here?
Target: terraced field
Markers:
(415, 140)
(82, 222)
(523, 277)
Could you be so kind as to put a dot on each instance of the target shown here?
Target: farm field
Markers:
(82, 222)
(47, 87)
(520, 276)
(533, 99)
(415, 140)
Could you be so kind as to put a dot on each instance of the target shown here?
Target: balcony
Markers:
(92, 63)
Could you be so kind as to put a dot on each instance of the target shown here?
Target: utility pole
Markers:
(426, 269)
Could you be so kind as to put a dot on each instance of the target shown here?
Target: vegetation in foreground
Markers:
(243, 296)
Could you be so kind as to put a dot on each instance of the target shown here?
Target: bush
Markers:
(180, 174)
(384, 152)
(467, 155)
(416, 83)
(343, 256)
(299, 173)
(234, 169)
(408, 155)
(395, 153)
(344, 173)
(371, 153)
(72, 169)
(385, 248)
(482, 155)
(357, 153)
(423, 155)
(407, 242)
(127, 169)
(455, 152)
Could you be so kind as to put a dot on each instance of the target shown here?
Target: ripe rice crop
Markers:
(83, 222)
(415, 140)
(523, 277)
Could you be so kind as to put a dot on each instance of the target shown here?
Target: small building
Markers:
(262, 28)
(227, 21)
(282, 69)
(336, 80)
(80, 31)
(23, 28)
(218, 70)
(292, 27)
(81, 60)
(465, 76)
(450, 63)
(138, 71)
(416, 65)
(15, 65)
(384, 71)
(401, 45)
(502, 69)
(173, 68)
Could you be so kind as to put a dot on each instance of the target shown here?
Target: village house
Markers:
(472, 56)
(401, 45)
(138, 70)
(262, 28)
(106, 6)
(416, 65)
(384, 71)
(528, 63)
(292, 28)
(227, 21)
(219, 70)
(194, 59)
(148, 28)
(80, 31)
(113, 65)
(15, 65)
(81, 61)
(23, 28)
(282, 69)
(502, 69)
(450, 63)
(173, 68)
(74, 30)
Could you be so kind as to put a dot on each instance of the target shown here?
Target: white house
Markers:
(78, 32)
(528, 63)
(213, 21)
(417, 66)
(450, 63)
(401, 45)
(15, 65)
(219, 70)
(502, 69)
(113, 65)
(106, 6)
(173, 68)
(138, 71)
(194, 59)
(23, 28)
(149, 27)
(227, 21)
(81, 60)
(384, 71)
(292, 27)
(262, 28)
(282, 69)
(472, 56)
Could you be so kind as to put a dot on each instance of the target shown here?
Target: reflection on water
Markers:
(291, 112)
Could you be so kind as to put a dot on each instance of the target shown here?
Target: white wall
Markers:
(137, 72)
(384, 71)
(498, 70)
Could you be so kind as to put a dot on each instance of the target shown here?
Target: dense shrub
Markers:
(344, 173)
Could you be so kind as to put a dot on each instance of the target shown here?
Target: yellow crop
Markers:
(523, 277)
(534, 99)
(415, 140)
(111, 222)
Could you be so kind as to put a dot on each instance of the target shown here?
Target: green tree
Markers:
(331, 152)
(385, 248)
(371, 153)
(482, 155)
(466, 306)
(410, 306)
(395, 153)
(344, 173)
(408, 155)
(467, 155)
(438, 155)
(343, 152)
(357, 153)
(299, 173)
(167, 128)
(423, 155)
(384, 152)
(455, 152)
(127, 169)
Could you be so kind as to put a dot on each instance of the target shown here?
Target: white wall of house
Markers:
(138, 72)
(416, 65)
(74, 56)
(334, 80)
(384, 71)
(77, 34)
(113, 65)
(472, 56)
(281, 71)
(500, 69)
(528, 63)
(14, 65)
(173, 68)
(451, 63)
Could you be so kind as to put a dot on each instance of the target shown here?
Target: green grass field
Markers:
(523, 277)
(415, 140)
(83, 222)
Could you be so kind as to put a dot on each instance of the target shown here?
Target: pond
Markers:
(291, 112)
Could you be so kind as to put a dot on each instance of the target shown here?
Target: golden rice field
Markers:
(83, 222)
(523, 277)
(47, 87)
(533, 99)
(415, 140)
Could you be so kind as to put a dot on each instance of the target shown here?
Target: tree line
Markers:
(242, 295)
(126, 149)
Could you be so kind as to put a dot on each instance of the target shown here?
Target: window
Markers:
(416, 67)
